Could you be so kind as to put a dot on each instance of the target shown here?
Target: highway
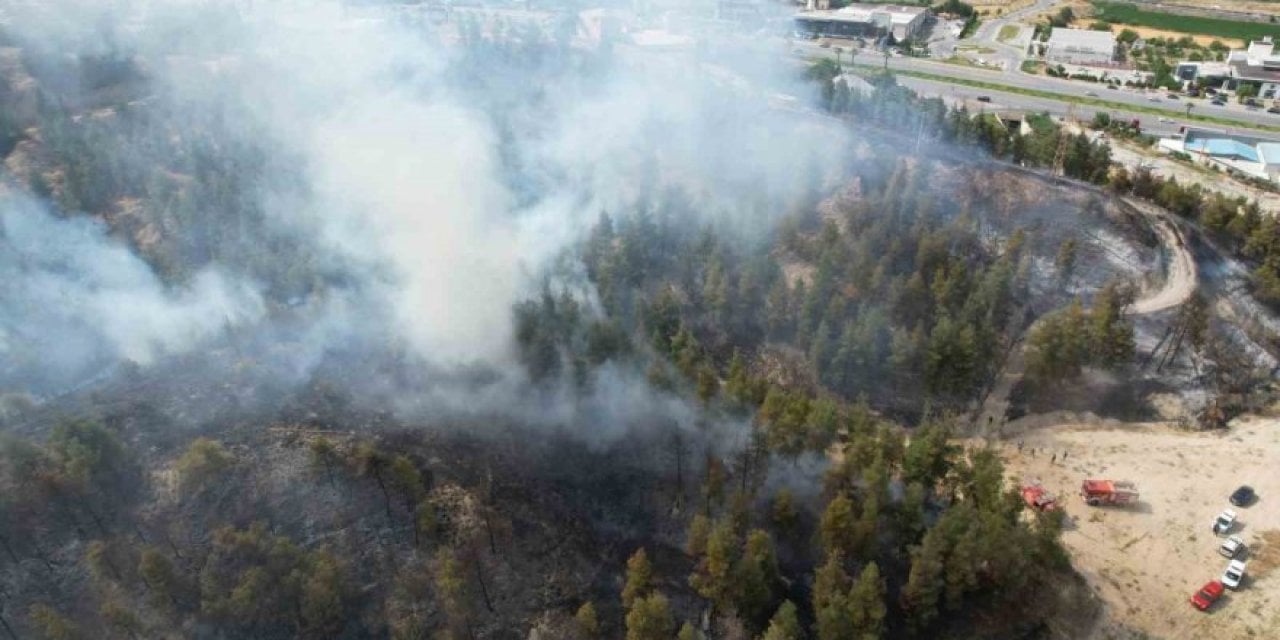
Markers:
(960, 94)
(1073, 88)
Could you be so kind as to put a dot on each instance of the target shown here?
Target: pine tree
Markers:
(785, 624)
(713, 578)
(756, 577)
(837, 527)
(925, 582)
(587, 621)
(650, 618)
(639, 578)
(687, 632)
(867, 608)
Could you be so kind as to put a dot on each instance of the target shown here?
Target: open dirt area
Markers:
(1086, 22)
(1133, 156)
(1001, 7)
(1146, 561)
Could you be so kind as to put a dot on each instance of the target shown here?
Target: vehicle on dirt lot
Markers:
(1231, 547)
(1224, 522)
(1039, 498)
(1234, 574)
(984, 98)
(1243, 496)
(1099, 492)
(1207, 595)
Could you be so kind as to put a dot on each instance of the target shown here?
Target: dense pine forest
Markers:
(819, 479)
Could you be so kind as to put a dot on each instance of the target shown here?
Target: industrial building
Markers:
(1081, 46)
(862, 21)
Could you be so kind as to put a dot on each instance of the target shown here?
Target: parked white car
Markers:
(1234, 574)
(1225, 520)
(1232, 546)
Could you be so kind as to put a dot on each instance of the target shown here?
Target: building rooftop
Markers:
(1222, 147)
(862, 13)
(1082, 39)
(1269, 153)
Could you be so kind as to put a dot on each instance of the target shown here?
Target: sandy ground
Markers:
(1146, 561)
(1148, 32)
(991, 7)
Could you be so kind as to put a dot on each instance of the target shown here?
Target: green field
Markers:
(1125, 13)
(1008, 32)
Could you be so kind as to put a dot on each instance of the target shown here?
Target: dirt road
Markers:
(1181, 279)
(1180, 282)
(1145, 562)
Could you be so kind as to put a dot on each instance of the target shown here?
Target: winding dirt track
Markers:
(1181, 280)
(1179, 283)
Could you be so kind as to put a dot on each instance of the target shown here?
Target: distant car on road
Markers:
(1207, 595)
(1231, 547)
(1166, 120)
(1112, 87)
(1172, 96)
(1153, 99)
(1234, 574)
(1218, 103)
(1091, 94)
(1273, 110)
(984, 98)
(1243, 496)
(1224, 522)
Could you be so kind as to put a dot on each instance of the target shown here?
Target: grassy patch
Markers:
(1125, 13)
(1093, 102)
(964, 62)
(1008, 32)
(1033, 66)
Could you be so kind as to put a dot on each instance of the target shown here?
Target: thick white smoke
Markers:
(72, 298)
(441, 204)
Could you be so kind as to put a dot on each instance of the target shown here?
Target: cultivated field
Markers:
(1131, 14)
(1146, 561)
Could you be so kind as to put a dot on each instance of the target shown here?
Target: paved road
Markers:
(961, 94)
(1045, 83)
(989, 31)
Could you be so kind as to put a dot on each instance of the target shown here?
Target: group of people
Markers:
(1052, 459)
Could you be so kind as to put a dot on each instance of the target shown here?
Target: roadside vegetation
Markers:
(1238, 224)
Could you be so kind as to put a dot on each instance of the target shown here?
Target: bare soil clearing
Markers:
(1145, 561)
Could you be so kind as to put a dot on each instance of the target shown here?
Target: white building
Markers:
(1259, 64)
(862, 20)
(1081, 46)
(1257, 157)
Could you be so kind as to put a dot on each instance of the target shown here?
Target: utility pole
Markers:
(1064, 139)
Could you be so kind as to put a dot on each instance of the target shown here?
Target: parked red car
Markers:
(1207, 595)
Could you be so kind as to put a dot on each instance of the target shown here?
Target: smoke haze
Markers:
(430, 185)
